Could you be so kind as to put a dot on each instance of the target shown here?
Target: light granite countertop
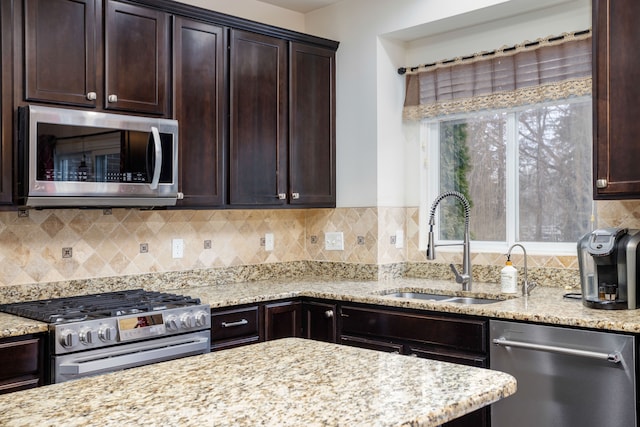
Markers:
(544, 305)
(288, 382)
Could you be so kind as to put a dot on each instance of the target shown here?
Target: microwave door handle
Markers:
(158, 164)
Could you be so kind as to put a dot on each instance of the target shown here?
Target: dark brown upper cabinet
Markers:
(258, 130)
(616, 121)
(67, 61)
(312, 133)
(200, 102)
(62, 66)
(282, 104)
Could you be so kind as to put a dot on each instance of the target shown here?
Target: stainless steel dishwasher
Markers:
(566, 377)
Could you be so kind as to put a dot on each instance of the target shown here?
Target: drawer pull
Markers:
(232, 324)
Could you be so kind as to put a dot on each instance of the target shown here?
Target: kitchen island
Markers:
(288, 382)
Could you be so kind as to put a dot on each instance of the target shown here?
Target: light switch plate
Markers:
(334, 241)
(399, 239)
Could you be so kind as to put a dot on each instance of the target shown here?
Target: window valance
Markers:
(532, 72)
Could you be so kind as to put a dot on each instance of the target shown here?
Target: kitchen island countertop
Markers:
(287, 382)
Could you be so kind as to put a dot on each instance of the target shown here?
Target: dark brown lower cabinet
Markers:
(283, 320)
(319, 321)
(441, 337)
(236, 326)
(21, 363)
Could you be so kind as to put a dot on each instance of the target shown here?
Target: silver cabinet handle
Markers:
(602, 183)
(92, 96)
(282, 196)
(613, 357)
(328, 314)
(112, 98)
(232, 324)
(295, 196)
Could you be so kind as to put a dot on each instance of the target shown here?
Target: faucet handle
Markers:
(460, 278)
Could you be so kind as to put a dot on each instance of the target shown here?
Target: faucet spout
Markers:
(464, 278)
(526, 286)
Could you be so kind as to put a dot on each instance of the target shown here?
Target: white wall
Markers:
(255, 11)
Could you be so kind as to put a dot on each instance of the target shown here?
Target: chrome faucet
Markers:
(466, 276)
(526, 286)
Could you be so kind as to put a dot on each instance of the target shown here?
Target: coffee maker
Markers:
(609, 260)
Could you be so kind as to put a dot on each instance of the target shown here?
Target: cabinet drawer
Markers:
(20, 358)
(462, 334)
(235, 323)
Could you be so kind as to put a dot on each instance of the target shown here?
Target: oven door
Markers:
(84, 158)
(93, 362)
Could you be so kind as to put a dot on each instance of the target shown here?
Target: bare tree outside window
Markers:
(552, 155)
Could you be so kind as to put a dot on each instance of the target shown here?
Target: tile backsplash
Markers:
(113, 243)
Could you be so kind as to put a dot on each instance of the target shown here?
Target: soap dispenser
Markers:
(509, 278)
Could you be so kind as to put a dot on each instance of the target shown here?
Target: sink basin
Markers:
(418, 295)
(473, 300)
(428, 296)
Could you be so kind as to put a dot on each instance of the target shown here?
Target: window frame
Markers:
(430, 185)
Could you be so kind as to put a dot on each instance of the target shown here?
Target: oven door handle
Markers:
(139, 355)
(157, 144)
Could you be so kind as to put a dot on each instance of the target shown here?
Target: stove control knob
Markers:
(201, 318)
(172, 322)
(68, 338)
(107, 333)
(188, 320)
(88, 336)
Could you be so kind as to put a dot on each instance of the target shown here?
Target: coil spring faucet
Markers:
(466, 276)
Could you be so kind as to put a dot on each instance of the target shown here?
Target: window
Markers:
(511, 130)
(526, 173)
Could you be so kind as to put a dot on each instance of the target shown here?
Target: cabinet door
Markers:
(283, 320)
(6, 102)
(136, 58)
(312, 126)
(61, 51)
(616, 72)
(200, 101)
(21, 363)
(258, 133)
(319, 321)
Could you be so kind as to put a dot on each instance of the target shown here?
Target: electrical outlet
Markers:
(399, 239)
(268, 242)
(334, 241)
(177, 248)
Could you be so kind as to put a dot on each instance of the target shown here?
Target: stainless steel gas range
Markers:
(106, 332)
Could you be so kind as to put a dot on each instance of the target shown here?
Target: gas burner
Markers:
(98, 306)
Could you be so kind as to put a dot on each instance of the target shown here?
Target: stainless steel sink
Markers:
(418, 295)
(428, 296)
(473, 300)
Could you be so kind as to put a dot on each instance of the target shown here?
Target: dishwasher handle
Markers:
(613, 357)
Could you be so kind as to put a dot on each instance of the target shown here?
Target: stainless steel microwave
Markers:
(74, 158)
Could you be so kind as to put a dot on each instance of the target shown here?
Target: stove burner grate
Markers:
(96, 306)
